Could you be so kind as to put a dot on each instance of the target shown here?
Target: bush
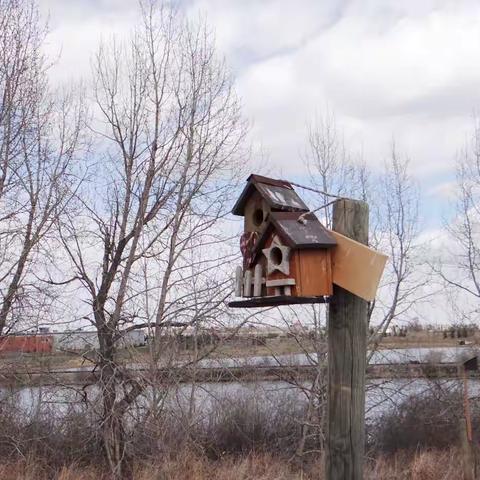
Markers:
(247, 424)
(431, 420)
(252, 425)
(56, 440)
(239, 427)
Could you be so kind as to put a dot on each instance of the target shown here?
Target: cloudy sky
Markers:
(407, 70)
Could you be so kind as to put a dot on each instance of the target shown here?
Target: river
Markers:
(381, 395)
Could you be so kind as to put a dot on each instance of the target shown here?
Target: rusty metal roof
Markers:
(307, 234)
(279, 195)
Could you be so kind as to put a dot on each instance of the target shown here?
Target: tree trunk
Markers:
(112, 421)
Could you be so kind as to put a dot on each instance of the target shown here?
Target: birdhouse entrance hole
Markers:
(258, 217)
(276, 256)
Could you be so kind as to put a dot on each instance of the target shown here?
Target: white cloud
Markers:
(414, 77)
(408, 70)
(252, 30)
(76, 29)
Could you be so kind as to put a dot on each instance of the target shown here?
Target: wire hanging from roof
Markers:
(316, 190)
(301, 217)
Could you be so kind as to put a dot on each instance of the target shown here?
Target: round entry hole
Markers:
(276, 256)
(258, 217)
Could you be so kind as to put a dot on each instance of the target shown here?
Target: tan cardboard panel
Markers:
(356, 267)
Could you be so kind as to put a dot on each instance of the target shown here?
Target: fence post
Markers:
(347, 349)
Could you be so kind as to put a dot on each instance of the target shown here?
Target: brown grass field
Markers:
(427, 465)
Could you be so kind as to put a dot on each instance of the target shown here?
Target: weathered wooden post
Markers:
(468, 447)
(347, 348)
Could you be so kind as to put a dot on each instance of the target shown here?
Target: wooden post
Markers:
(466, 406)
(468, 455)
(468, 448)
(347, 349)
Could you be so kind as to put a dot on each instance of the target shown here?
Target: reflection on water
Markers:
(381, 394)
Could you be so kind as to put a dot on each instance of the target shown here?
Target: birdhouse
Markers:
(286, 250)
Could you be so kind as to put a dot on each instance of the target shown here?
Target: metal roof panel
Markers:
(308, 233)
(279, 194)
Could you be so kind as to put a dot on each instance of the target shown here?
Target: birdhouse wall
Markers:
(256, 213)
(310, 268)
(314, 272)
(281, 276)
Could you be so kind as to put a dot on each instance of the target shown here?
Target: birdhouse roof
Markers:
(308, 233)
(278, 194)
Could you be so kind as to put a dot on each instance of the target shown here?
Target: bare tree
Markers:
(458, 266)
(393, 199)
(40, 135)
(394, 204)
(331, 167)
(150, 247)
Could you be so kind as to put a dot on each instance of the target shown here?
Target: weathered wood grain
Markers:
(257, 280)
(315, 276)
(347, 348)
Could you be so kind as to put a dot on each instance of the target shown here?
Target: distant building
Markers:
(88, 340)
(76, 340)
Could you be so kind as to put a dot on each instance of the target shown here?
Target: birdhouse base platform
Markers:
(276, 301)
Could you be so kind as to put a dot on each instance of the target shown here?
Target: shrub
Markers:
(425, 421)
(251, 425)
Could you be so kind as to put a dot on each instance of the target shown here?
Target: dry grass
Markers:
(249, 439)
(185, 467)
(260, 467)
(428, 465)
(426, 339)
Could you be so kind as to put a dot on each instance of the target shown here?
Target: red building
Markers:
(26, 344)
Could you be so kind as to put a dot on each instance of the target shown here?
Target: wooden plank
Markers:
(257, 280)
(356, 267)
(347, 349)
(315, 272)
(281, 282)
(247, 283)
(259, 302)
(238, 281)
